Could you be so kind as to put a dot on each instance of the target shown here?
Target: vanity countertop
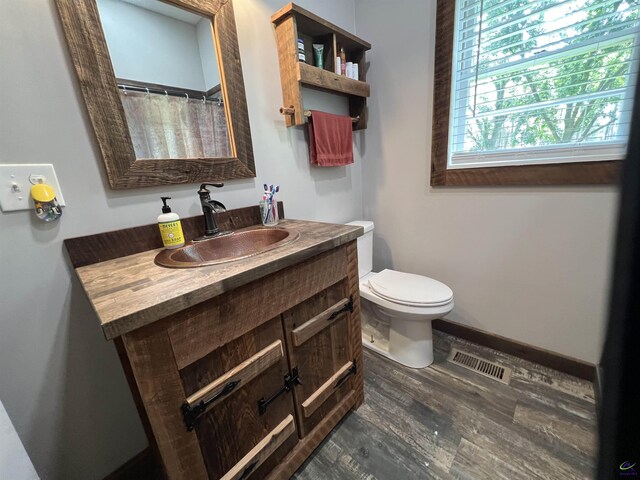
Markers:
(132, 291)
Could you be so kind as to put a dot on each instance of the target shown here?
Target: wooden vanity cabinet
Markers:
(290, 340)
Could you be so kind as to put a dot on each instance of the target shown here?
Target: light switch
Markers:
(16, 181)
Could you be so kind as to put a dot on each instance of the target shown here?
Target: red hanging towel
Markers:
(330, 139)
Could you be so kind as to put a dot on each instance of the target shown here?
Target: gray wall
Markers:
(208, 57)
(60, 381)
(154, 48)
(531, 264)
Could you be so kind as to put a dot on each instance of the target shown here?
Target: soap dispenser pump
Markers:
(170, 226)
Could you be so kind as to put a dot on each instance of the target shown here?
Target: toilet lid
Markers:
(410, 289)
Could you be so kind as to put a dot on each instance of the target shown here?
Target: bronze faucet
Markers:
(209, 209)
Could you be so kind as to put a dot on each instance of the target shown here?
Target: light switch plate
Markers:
(16, 181)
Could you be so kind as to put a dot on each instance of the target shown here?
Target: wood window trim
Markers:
(579, 173)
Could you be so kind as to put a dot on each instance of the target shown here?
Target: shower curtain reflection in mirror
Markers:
(157, 48)
(164, 126)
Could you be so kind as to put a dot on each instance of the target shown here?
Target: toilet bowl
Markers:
(397, 308)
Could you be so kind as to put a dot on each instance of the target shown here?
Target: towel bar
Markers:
(307, 113)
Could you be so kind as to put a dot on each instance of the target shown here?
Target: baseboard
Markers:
(562, 363)
(143, 466)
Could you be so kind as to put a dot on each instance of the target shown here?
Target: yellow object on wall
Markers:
(45, 202)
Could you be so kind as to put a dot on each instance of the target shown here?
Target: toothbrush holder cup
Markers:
(269, 213)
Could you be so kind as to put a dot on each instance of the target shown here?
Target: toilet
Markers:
(397, 308)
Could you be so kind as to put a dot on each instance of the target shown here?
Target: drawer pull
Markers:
(327, 389)
(290, 381)
(262, 451)
(205, 398)
(321, 321)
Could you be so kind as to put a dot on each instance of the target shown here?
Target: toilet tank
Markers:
(365, 247)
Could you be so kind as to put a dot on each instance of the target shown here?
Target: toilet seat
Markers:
(410, 289)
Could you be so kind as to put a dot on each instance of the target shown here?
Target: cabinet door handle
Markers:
(325, 391)
(290, 381)
(205, 398)
(247, 471)
(321, 321)
(347, 307)
(191, 413)
(352, 371)
(262, 451)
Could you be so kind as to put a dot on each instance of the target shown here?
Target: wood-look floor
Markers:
(446, 422)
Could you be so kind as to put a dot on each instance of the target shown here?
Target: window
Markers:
(536, 91)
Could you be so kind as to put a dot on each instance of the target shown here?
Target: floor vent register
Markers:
(483, 367)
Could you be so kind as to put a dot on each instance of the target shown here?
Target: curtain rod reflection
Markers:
(187, 94)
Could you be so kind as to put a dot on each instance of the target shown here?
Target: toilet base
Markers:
(411, 342)
(376, 347)
(381, 350)
(407, 342)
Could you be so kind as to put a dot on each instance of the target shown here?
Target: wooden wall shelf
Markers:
(315, 77)
(293, 22)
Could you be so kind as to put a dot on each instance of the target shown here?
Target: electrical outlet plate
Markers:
(16, 181)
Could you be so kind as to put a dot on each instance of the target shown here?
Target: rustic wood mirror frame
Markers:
(90, 55)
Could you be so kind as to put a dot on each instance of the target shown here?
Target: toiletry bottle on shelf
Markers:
(343, 62)
(170, 226)
(349, 69)
(318, 54)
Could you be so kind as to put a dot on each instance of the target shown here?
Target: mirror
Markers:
(167, 72)
(164, 89)
(166, 68)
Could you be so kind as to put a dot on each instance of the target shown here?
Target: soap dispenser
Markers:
(170, 226)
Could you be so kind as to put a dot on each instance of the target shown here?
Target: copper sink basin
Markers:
(226, 248)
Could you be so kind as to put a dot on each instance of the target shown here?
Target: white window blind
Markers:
(542, 81)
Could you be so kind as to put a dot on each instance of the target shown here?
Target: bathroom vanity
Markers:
(239, 370)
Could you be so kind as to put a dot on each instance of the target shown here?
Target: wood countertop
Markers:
(132, 291)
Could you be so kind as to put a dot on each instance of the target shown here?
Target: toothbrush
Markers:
(269, 194)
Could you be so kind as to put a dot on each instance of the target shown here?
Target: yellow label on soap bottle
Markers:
(171, 233)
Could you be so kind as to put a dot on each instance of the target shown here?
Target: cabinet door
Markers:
(236, 439)
(317, 338)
